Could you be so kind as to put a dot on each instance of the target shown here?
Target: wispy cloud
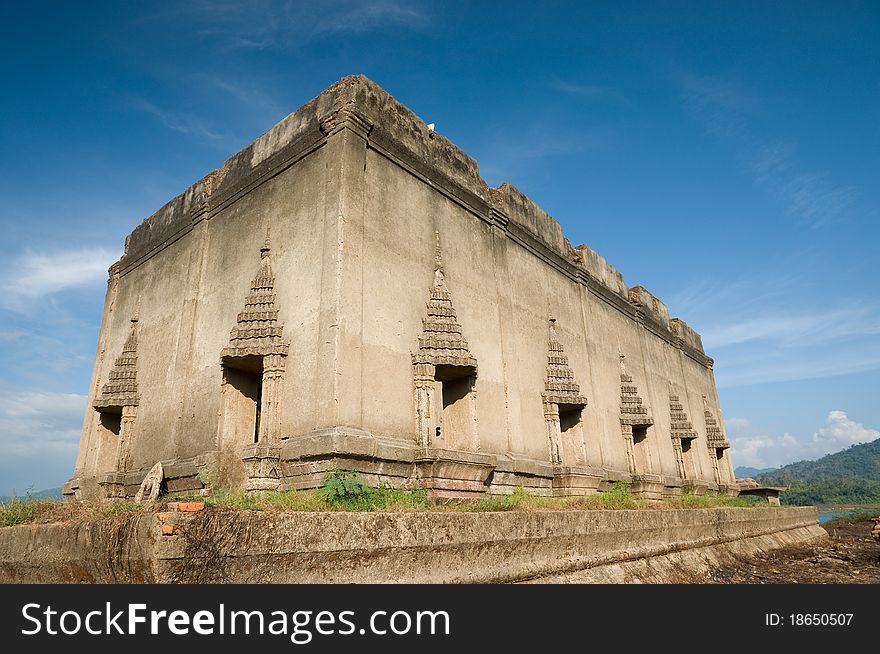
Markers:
(797, 329)
(590, 91)
(47, 422)
(33, 275)
(370, 15)
(814, 198)
(766, 368)
(741, 296)
(765, 327)
(811, 197)
(723, 107)
(184, 123)
(504, 158)
(39, 435)
(727, 111)
(753, 448)
(260, 106)
(250, 24)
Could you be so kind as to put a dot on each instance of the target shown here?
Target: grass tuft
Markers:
(687, 500)
(346, 490)
(17, 511)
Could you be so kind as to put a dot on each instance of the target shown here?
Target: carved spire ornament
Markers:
(560, 390)
(681, 431)
(441, 343)
(715, 438)
(257, 332)
(121, 389)
(632, 412)
(681, 426)
(256, 345)
(119, 397)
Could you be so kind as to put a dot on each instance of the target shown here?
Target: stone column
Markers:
(472, 403)
(627, 432)
(554, 432)
(423, 375)
(113, 483)
(714, 457)
(270, 411)
(262, 460)
(679, 457)
(583, 441)
(129, 413)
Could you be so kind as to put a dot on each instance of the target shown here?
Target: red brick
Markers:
(190, 506)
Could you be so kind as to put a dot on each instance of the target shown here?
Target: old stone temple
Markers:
(347, 292)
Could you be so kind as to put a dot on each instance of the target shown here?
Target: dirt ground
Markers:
(849, 556)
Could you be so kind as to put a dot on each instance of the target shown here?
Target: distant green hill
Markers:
(849, 476)
(51, 493)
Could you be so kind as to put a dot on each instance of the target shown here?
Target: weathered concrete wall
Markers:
(254, 547)
(187, 298)
(356, 192)
(508, 266)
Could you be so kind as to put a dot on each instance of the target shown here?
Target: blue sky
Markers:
(724, 155)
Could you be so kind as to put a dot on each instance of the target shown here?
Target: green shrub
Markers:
(488, 502)
(619, 497)
(17, 511)
(346, 487)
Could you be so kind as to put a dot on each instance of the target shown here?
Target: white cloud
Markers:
(40, 423)
(839, 432)
(749, 447)
(747, 451)
(39, 436)
(33, 275)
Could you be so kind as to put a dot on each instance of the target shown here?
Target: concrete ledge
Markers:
(427, 547)
(576, 480)
(683, 566)
(307, 460)
(648, 487)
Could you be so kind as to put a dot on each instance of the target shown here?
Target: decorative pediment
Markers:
(681, 426)
(121, 389)
(441, 341)
(560, 386)
(715, 438)
(632, 412)
(257, 332)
